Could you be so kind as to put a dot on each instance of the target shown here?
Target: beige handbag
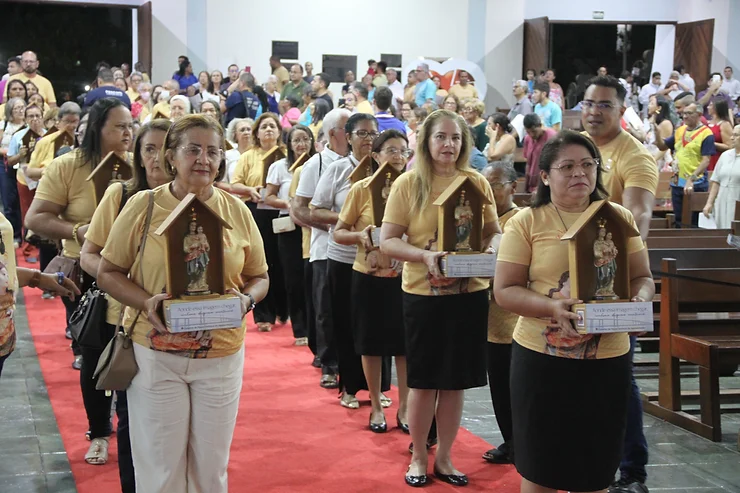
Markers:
(117, 364)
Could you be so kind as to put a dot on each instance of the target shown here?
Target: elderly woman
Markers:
(62, 209)
(273, 95)
(725, 185)
(185, 397)
(15, 119)
(212, 109)
(360, 131)
(279, 178)
(472, 111)
(444, 319)
(14, 89)
(147, 175)
(451, 103)
(557, 373)
(247, 182)
(239, 132)
(179, 107)
(376, 282)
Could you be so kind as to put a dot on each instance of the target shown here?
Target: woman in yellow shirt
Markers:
(377, 319)
(147, 175)
(247, 182)
(185, 397)
(445, 319)
(569, 392)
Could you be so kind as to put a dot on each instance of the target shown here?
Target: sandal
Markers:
(349, 401)
(264, 327)
(97, 454)
(385, 401)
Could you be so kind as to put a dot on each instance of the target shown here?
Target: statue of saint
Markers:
(116, 176)
(196, 248)
(386, 190)
(605, 261)
(463, 224)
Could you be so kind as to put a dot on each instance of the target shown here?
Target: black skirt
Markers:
(569, 417)
(377, 315)
(446, 340)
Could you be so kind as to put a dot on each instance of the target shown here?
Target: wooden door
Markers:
(144, 22)
(536, 44)
(693, 49)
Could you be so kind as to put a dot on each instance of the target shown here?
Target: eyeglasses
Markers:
(33, 117)
(364, 134)
(194, 152)
(500, 185)
(568, 168)
(601, 106)
(403, 152)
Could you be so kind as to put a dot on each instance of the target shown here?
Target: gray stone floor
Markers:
(33, 460)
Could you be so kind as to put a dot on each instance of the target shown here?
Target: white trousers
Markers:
(182, 413)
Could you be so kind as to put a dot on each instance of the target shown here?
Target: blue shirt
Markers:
(550, 114)
(478, 161)
(185, 81)
(237, 103)
(389, 122)
(106, 92)
(424, 91)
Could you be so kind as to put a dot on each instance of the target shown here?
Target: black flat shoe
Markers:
(416, 481)
(404, 427)
(378, 427)
(453, 479)
(430, 443)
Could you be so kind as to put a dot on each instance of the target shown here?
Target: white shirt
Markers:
(627, 87)
(686, 80)
(645, 93)
(331, 192)
(279, 176)
(731, 87)
(397, 90)
(232, 159)
(312, 171)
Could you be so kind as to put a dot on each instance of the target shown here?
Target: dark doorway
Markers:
(69, 40)
(578, 49)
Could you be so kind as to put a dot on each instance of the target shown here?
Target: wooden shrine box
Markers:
(274, 154)
(379, 186)
(213, 309)
(603, 315)
(159, 115)
(62, 139)
(468, 262)
(228, 145)
(112, 169)
(29, 141)
(51, 130)
(300, 161)
(364, 169)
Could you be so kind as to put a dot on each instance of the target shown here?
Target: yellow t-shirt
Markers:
(305, 232)
(243, 255)
(43, 153)
(501, 323)
(65, 183)
(8, 287)
(627, 163)
(132, 95)
(45, 88)
(532, 238)
(162, 107)
(283, 77)
(249, 169)
(467, 92)
(409, 94)
(145, 111)
(357, 214)
(316, 128)
(100, 227)
(422, 232)
(365, 107)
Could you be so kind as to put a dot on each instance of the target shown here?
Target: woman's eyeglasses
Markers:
(500, 185)
(364, 134)
(569, 168)
(403, 152)
(194, 152)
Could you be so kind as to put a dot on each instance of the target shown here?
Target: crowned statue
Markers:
(386, 190)
(196, 249)
(463, 224)
(605, 261)
(116, 175)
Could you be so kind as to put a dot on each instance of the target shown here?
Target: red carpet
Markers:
(291, 434)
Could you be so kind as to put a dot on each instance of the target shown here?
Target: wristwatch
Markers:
(60, 278)
(252, 303)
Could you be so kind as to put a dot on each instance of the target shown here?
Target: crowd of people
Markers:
(358, 295)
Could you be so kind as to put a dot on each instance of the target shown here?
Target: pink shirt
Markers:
(532, 150)
(291, 114)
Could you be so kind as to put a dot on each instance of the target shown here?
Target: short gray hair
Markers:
(69, 108)
(423, 66)
(506, 167)
(247, 79)
(331, 120)
(231, 129)
(180, 97)
(521, 83)
(9, 108)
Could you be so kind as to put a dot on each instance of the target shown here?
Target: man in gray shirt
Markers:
(523, 105)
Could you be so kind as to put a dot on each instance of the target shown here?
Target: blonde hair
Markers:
(424, 165)
(177, 131)
(476, 104)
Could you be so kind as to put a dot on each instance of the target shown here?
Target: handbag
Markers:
(282, 224)
(88, 318)
(117, 364)
(70, 267)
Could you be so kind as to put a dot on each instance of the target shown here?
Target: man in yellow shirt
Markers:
(631, 178)
(464, 89)
(361, 93)
(280, 72)
(30, 64)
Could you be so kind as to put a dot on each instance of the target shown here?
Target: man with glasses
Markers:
(631, 178)
(296, 85)
(522, 106)
(30, 65)
(693, 146)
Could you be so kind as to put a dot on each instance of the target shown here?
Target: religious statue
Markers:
(605, 261)
(116, 176)
(196, 248)
(386, 190)
(463, 224)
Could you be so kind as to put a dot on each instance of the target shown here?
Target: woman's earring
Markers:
(547, 183)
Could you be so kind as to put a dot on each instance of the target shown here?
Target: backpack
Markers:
(251, 104)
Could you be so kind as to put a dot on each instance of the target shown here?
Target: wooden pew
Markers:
(683, 233)
(669, 221)
(692, 203)
(572, 120)
(697, 325)
(663, 192)
(688, 241)
(523, 199)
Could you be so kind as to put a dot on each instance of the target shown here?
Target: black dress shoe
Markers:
(404, 427)
(416, 481)
(77, 363)
(498, 456)
(453, 479)
(68, 334)
(316, 363)
(378, 427)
